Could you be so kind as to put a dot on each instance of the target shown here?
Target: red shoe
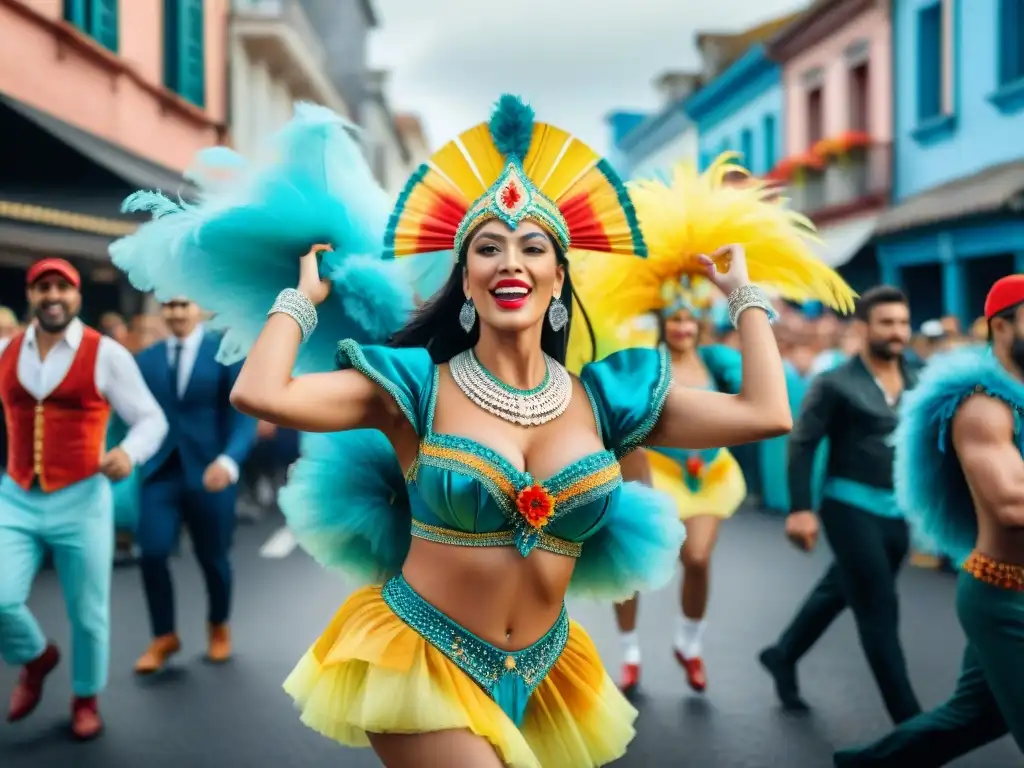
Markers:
(86, 723)
(695, 674)
(630, 679)
(29, 690)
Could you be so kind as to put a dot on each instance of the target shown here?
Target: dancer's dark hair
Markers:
(435, 325)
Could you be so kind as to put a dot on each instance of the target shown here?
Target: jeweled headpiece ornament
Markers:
(514, 169)
(689, 214)
(694, 293)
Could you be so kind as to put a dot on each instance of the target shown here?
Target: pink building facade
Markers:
(102, 97)
(837, 81)
(852, 70)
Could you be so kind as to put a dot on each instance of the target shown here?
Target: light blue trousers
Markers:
(76, 524)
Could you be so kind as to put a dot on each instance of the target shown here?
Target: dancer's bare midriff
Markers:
(494, 592)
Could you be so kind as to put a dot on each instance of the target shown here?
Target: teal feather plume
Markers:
(238, 245)
(511, 127)
(930, 485)
(636, 550)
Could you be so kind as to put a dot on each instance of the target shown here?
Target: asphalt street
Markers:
(199, 716)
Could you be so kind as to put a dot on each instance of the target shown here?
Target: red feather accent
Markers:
(585, 230)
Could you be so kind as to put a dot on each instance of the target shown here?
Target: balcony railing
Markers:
(861, 177)
(289, 13)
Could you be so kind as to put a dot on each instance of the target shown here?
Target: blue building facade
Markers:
(646, 144)
(958, 170)
(742, 110)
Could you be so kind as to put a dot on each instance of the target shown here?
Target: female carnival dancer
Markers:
(680, 218)
(468, 472)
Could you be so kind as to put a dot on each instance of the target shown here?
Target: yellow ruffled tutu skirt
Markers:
(722, 489)
(370, 672)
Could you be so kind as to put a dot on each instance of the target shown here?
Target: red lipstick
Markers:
(511, 294)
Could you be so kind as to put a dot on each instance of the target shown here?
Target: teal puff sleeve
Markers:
(725, 365)
(628, 391)
(406, 374)
(346, 499)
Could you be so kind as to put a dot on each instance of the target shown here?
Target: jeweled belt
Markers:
(997, 574)
(508, 677)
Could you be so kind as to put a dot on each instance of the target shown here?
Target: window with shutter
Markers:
(97, 18)
(747, 149)
(1011, 42)
(103, 22)
(184, 54)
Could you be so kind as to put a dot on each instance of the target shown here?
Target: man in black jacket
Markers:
(855, 406)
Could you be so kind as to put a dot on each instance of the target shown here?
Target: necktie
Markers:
(175, 363)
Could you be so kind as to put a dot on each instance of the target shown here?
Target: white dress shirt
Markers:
(117, 378)
(186, 364)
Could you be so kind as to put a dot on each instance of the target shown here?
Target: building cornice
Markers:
(820, 21)
(752, 65)
(68, 40)
(650, 127)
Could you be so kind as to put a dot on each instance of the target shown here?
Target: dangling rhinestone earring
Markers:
(467, 315)
(558, 315)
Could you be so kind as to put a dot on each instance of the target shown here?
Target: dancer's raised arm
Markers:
(317, 402)
(696, 419)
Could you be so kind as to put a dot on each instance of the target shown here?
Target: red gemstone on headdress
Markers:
(510, 195)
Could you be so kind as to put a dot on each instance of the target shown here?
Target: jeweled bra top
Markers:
(466, 494)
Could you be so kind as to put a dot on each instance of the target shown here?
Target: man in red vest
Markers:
(58, 382)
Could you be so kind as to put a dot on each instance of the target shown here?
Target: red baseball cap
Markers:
(53, 267)
(1006, 292)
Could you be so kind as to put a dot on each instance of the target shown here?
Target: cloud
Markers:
(574, 60)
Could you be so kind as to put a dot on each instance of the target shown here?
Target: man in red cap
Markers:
(58, 381)
(960, 473)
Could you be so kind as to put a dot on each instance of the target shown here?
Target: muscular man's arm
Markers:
(985, 444)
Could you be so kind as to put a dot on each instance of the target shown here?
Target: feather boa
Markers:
(235, 248)
(930, 484)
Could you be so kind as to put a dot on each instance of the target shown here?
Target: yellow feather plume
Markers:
(695, 214)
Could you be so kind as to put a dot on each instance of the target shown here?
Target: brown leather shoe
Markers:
(29, 691)
(86, 723)
(219, 649)
(157, 655)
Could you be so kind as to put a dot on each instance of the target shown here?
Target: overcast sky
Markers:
(574, 60)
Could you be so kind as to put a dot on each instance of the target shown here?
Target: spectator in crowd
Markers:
(9, 324)
(979, 331)
(114, 326)
(146, 330)
(191, 479)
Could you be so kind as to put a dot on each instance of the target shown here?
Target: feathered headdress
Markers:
(694, 293)
(512, 168)
(691, 214)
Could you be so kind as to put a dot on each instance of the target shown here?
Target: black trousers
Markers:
(868, 553)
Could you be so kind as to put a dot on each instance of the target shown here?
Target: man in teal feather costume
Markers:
(959, 475)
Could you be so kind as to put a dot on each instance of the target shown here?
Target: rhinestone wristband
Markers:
(746, 297)
(300, 309)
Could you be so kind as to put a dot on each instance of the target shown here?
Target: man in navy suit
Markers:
(191, 479)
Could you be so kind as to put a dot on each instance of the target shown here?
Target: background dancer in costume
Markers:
(680, 218)
(58, 382)
(485, 663)
(960, 477)
(706, 485)
(855, 406)
(191, 479)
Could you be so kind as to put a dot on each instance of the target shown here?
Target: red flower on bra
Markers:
(536, 505)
